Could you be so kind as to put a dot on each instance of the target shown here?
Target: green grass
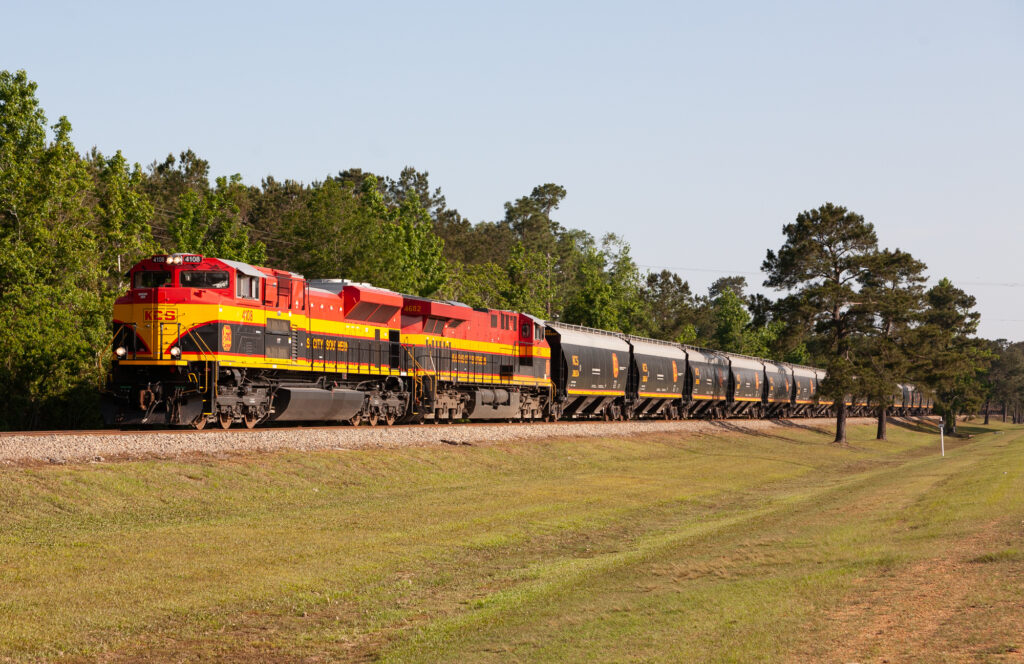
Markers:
(733, 547)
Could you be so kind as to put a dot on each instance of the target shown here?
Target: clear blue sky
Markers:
(695, 130)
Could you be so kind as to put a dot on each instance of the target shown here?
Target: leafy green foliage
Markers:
(210, 224)
(53, 316)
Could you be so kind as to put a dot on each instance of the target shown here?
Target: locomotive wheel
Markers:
(356, 420)
(199, 423)
(250, 420)
(389, 419)
(372, 419)
(224, 419)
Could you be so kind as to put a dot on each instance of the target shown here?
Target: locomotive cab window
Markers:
(151, 279)
(526, 330)
(204, 279)
(247, 287)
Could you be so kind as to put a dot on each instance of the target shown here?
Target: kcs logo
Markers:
(165, 315)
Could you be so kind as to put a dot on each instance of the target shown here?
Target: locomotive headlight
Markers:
(175, 351)
(120, 351)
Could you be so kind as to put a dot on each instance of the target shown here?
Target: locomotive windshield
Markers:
(151, 279)
(204, 279)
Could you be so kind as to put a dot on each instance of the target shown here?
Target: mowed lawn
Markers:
(670, 548)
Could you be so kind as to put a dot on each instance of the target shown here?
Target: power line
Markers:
(999, 284)
(697, 269)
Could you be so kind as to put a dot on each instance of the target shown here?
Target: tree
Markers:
(53, 320)
(123, 214)
(670, 305)
(825, 256)
(734, 284)
(209, 223)
(529, 218)
(478, 285)
(414, 255)
(1005, 378)
(892, 293)
(952, 359)
(271, 208)
(731, 320)
(607, 289)
(346, 229)
(527, 287)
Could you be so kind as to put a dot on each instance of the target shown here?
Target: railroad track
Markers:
(36, 447)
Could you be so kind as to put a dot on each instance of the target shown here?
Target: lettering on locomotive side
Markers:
(161, 315)
(320, 343)
(247, 315)
(469, 358)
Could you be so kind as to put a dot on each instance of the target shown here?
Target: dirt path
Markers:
(940, 609)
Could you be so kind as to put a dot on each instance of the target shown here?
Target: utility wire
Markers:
(697, 269)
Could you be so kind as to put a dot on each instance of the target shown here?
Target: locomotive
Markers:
(201, 341)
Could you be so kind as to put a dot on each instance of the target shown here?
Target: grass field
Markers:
(672, 548)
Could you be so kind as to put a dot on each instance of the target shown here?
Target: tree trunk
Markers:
(1004, 412)
(949, 421)
(882, 419)
(986, 411)
(840, 421)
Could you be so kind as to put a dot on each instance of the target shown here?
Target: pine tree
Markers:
(826, 255)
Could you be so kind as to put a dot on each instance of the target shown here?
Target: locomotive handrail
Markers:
(199, 341)
(135, 338)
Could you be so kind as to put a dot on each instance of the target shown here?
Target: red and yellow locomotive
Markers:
(200, 340)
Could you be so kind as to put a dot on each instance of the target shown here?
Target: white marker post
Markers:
(942, 435)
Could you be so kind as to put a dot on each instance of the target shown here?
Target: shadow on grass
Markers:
(974, 429)
(735, 426)
(795, 424)
(922, 425)
(917, 424)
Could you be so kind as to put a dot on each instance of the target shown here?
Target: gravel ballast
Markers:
(99, 446)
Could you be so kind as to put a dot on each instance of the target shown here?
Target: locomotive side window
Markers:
(525, 332)
(204, 279)
(247, 287)
(494, 320)
(151, 279)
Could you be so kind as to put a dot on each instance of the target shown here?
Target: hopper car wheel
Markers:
(224, 419)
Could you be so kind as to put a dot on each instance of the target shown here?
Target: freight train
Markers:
(200, 341)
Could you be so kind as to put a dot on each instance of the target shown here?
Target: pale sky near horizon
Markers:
(694, 130)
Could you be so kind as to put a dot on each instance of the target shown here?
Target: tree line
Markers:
(72, 223)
